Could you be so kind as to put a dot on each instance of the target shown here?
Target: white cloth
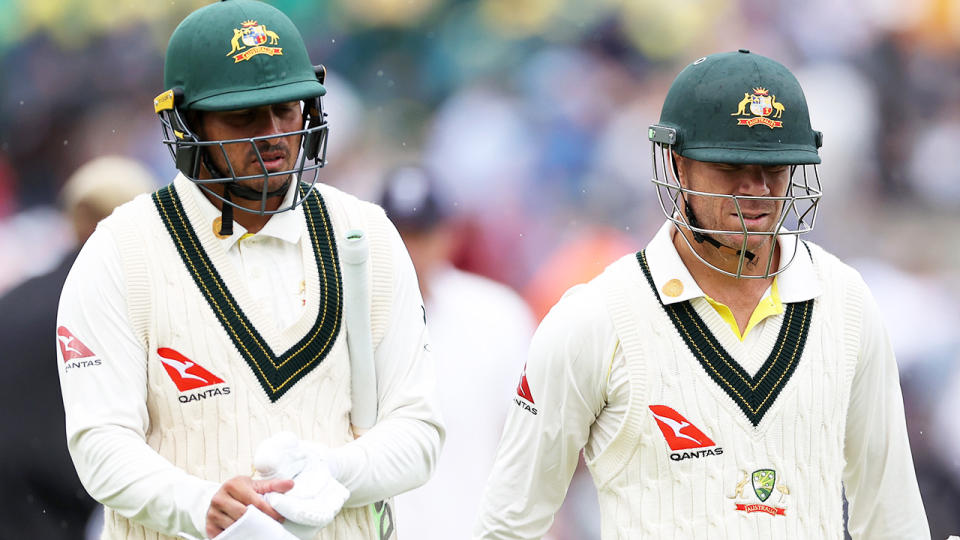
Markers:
(106, 415)
(480, 332)
(538, 453)
(316, 497)
(252, 525)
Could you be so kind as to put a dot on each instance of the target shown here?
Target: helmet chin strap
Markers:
(243, 192)
(232, 189)
(700, 238)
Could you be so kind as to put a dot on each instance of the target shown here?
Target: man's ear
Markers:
(679, 168)
(195, 123)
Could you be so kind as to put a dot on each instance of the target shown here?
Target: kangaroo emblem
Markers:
(237, 35)
(68, 345)
(742, 106)
(182, 367)
(784, 490)
(675, 426)
(740, 485)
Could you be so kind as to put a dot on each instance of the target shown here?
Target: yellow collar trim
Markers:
(768, 307)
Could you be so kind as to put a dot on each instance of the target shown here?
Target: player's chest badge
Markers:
(761, 491)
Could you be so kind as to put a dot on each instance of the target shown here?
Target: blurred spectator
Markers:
(43, 496)
(479, 331)
(927, 355)
(8, 185)
(577, 261)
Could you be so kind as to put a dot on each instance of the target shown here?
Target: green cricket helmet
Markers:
(746, 109)
(231, 55)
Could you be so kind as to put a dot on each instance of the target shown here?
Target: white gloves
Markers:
(316, 497)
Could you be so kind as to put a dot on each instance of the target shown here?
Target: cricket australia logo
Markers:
(764, 483)
(761, 105)
(252, 39)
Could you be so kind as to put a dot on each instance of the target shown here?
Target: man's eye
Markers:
(288, 108)
(240, 116)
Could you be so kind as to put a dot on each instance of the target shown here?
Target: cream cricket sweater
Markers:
(690, 433)
(220, 375)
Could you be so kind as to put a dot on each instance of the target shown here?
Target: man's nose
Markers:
(754, 182)
(269, 123)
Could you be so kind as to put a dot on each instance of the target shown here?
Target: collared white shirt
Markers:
(270, 260)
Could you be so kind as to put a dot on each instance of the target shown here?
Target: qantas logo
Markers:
(523, 391)
(189, 375)
(70, 346)
(682, 435)
(75, 354)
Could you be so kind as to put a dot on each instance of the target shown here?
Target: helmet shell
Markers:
(238, 54)
(739, 107)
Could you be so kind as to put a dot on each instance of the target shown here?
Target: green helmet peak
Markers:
(238, 54)
(738, 107)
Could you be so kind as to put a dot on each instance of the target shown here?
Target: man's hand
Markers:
(231, 500)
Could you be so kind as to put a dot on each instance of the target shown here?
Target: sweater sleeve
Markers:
(560, 393)
(879, 477)
(102, 366)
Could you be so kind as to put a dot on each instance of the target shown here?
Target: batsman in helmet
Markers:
(730, 379)
(242, 352)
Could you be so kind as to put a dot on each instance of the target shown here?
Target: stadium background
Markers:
(534, 114)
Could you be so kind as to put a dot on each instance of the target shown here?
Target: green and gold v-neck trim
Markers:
(276, 374)
(753, 395)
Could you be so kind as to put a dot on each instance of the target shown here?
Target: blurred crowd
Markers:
(532, 117)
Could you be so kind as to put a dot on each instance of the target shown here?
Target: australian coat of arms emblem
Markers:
(252, 39)
(763, 106)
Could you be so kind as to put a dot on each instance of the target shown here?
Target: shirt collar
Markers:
(285, 226)
(675, 284)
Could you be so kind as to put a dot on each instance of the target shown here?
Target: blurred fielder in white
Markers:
(480, 331)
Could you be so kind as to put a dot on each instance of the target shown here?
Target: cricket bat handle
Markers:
(363, 378)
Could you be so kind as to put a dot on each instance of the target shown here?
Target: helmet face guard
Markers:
(742, 109)
(190, 153)
(797, 214)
